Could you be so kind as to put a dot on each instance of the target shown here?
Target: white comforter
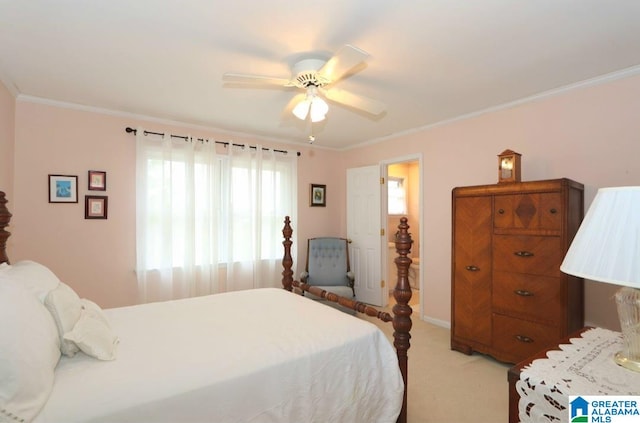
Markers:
(251, 356)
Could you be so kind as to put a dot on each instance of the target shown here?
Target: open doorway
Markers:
(403, 177)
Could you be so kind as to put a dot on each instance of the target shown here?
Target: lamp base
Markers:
(628, 303)
(626, 362)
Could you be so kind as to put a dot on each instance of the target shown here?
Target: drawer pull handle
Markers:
(500, 211)
(523, 293)
(523, 338)
(523, 254)
(472, 268)
(553, 211)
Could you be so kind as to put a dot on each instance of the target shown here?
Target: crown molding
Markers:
(591, 82)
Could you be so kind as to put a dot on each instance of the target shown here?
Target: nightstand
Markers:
(581, 364)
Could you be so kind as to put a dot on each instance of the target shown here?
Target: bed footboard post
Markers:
(402, 310)
(287, 260)
(5, 217)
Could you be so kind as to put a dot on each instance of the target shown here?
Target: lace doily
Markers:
(583, 367)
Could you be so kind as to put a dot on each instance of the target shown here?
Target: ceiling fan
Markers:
(316, 77)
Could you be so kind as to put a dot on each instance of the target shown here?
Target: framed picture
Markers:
(318, 195)
(63, 189)
(95, 206)
(97, 180)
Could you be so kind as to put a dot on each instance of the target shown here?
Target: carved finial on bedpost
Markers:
(5, 217)
(402, 310)
(287, 260)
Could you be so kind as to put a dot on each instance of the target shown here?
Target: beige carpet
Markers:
(447, 386)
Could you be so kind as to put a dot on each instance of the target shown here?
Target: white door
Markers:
(364, 231)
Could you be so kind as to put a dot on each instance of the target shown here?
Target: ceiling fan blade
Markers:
(342, 62)
(347, 98)
(257, 79)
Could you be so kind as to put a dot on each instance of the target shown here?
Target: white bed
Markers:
(264, 355)
(244, 356)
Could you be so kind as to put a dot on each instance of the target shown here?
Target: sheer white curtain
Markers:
(209, 219)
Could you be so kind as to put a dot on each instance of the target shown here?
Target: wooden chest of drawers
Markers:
(509, 298)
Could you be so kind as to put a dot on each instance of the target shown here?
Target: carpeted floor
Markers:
(446, 386)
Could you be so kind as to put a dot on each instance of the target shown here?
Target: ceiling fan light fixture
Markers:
(302, 109)
(312, 106)
(318, 109)
(317, 75)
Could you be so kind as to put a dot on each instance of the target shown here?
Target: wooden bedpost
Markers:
(402, 310)
(401, 319)
(287, 260)
(5, 217)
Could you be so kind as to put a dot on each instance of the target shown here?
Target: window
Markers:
(210, 219)
(396, 196)
(230, 202)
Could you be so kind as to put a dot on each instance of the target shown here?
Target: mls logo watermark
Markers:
(604, 409)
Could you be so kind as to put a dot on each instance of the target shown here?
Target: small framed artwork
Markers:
(95, 206)
(97, 180)
(318, 195)
(63, 189)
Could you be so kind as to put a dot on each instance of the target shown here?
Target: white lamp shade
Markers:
(302, 109)
(319, 109)
(607, 245)
(312, 106)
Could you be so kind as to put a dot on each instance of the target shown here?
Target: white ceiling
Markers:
(431, 60)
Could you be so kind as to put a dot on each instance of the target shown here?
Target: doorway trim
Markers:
(384, 167)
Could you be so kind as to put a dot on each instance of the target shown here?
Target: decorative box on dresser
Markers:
(509, 298)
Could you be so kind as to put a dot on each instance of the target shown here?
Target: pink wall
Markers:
(7, 123)
(591, 135)
(97, 257)
(318, 166)
(588, 134)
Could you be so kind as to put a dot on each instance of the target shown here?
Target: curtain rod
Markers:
(129, 130)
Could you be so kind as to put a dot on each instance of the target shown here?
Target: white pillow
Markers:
(29, 353)
(93, 336)
(33, 276)
(64, 305)
(94, 310)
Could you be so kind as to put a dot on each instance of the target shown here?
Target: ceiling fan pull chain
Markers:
(312, 137)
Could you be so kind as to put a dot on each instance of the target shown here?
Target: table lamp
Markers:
(606, 248)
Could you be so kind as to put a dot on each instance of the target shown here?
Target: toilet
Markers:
(392, 270)
(414, 273)
(414, 269)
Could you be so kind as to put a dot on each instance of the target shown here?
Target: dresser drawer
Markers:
(519, 339)
(528, 211)
(537, 298)
(535, 255)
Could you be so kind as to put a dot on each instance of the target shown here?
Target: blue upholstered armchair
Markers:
(328, 266)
